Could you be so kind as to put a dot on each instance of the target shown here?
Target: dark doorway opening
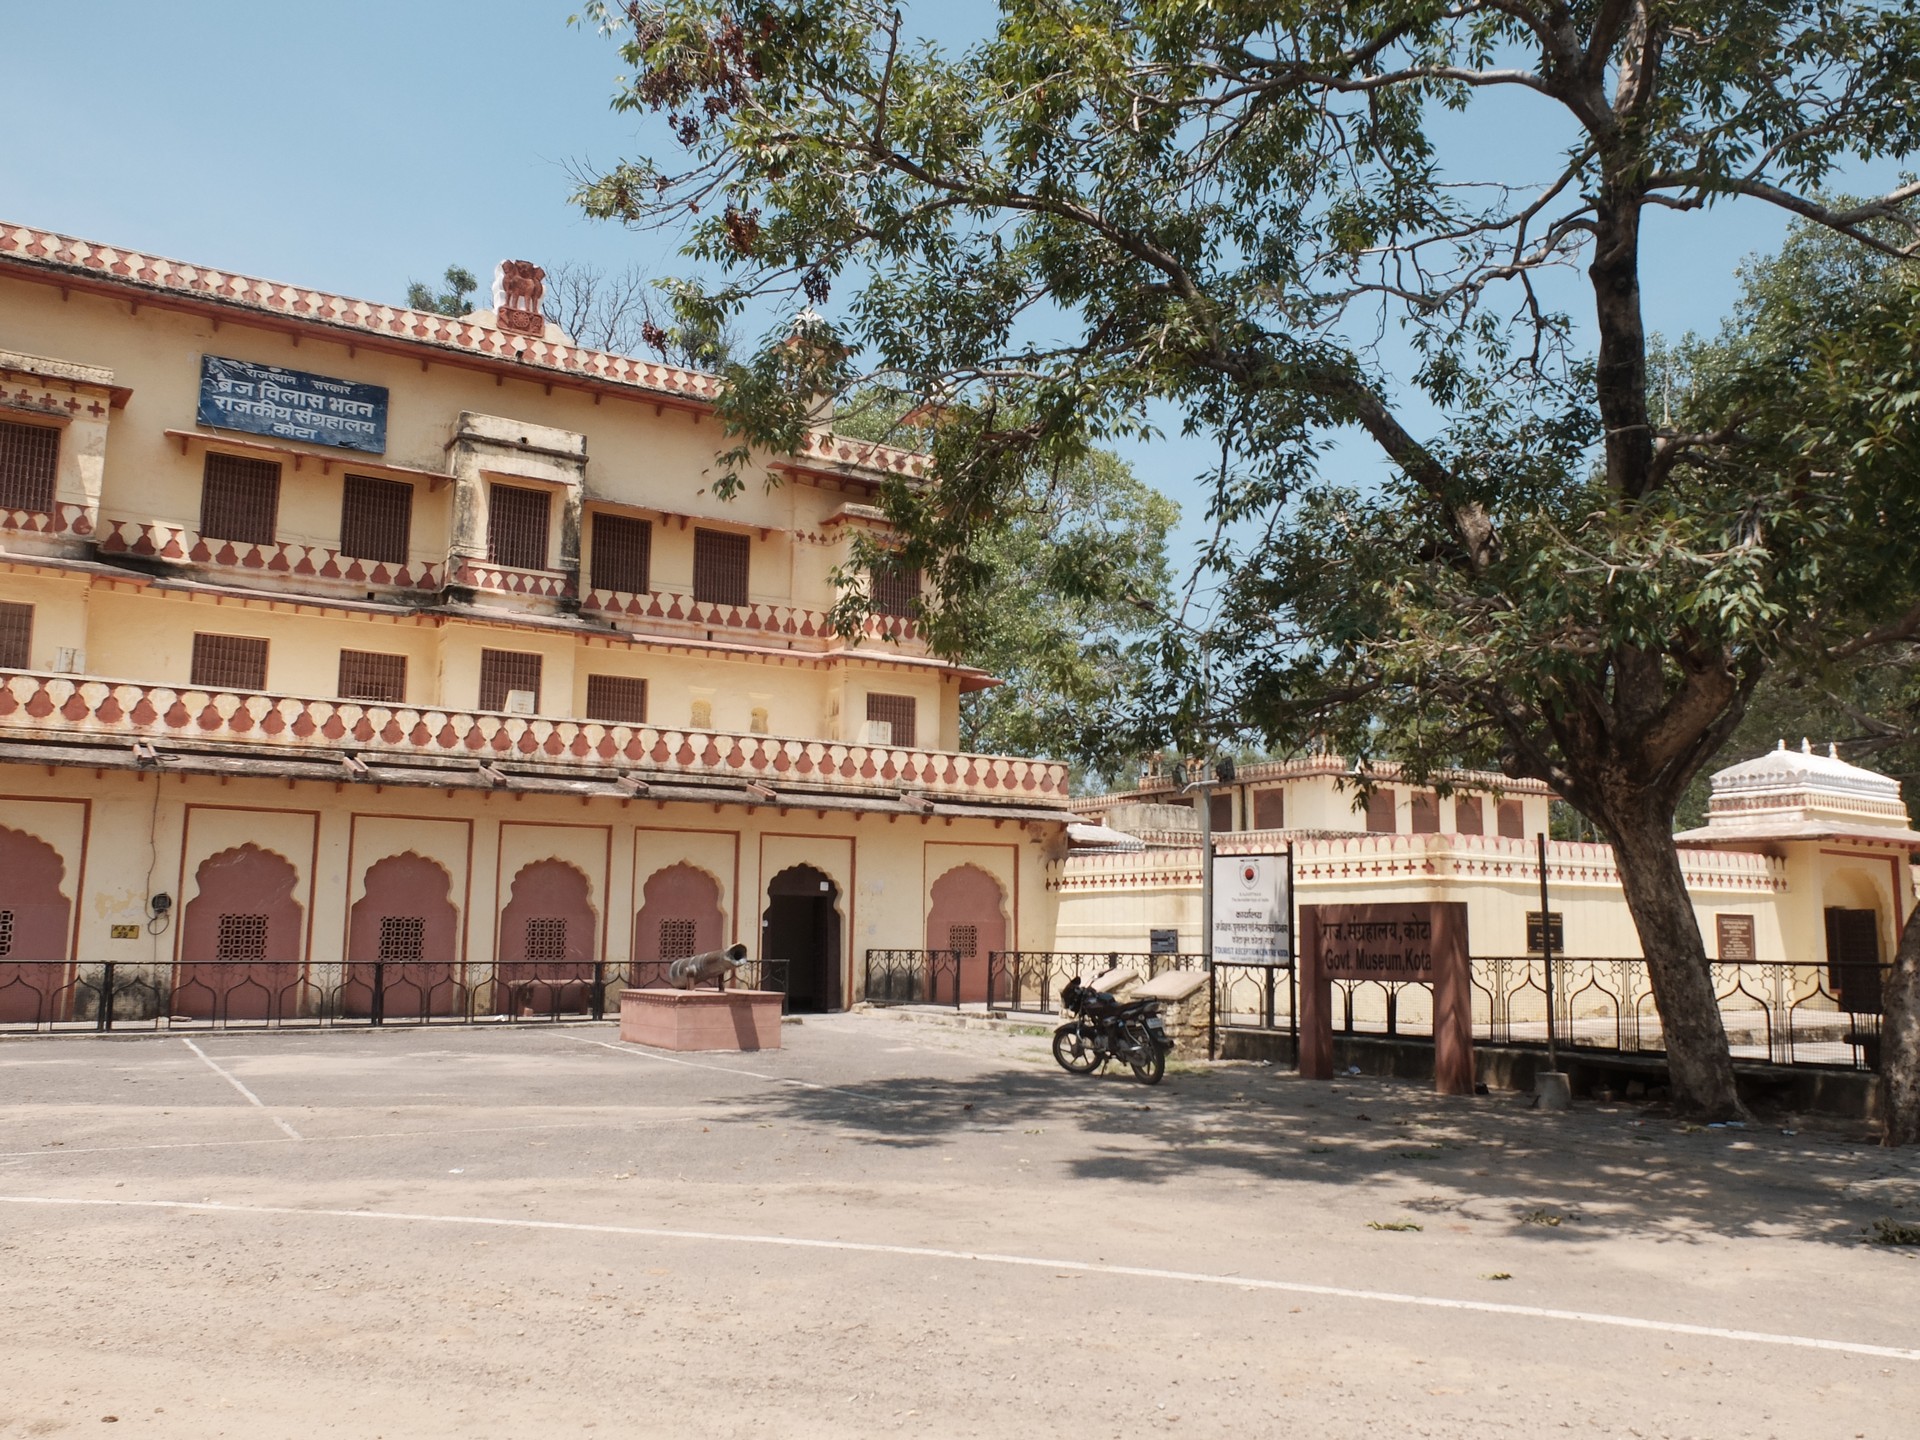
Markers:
(802, 927)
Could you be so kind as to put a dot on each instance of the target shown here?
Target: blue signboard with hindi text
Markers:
(292, 405)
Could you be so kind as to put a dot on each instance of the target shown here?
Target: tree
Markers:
(1061, 607)
(1249, 215)
(628, 311)
(456, 300)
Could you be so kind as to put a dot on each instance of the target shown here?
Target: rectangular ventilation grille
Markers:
(376, 519)
(29, 461)
(6, 932)
(896, 591)
(676, 939)
(965, 939)
(402, 938)
(241, 937)
(229, 662)
(505, 670)
(897, 711)
(617, 699)
(720, 567)
(517, 527)
(370, 675)
(547, 938)
(622, 554)
(16, 636)
(239, 499)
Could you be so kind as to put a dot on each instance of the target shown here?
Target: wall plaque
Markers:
(292, 405)
(1556, 930)
(1735, 936)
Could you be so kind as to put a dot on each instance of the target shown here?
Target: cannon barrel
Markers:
(692, 970)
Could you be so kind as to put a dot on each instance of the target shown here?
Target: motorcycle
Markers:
(1105, 1028)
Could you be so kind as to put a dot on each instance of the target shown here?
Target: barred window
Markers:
(16, 636)
(6, 932)
(241, 937)
(1512, 820)
(617, 699)
(29, 462)
(1469, 815)
(1426, 813)
(229, 662)
(1269, 809)
(239, 499)
(622, 554)
(896, 590)
(517, 527)
(402, 938)
(371, 675)
(1220, 811)
(896, 711)
(676, 939)
(502, 671)
(1381, 818)
(720, 564)
(376, 519)
(547, 938)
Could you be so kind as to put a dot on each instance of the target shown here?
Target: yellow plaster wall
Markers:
(59, 610)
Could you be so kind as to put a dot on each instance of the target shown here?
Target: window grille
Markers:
(676, 939)
(16, 636)
(371, 675)
(29, 462)
(896, 591)
(1269, 809)
(241, 937)
(547, 938)
(505, 670)
(1381, 819)
(897, 711)
(6, 932)
(965, 939)
(229, 662)
(1220, 808)
(376, 519)
(1512, 820)
(622, 554)
(1426, 814)
(517, 527)
(1469, 815)
(403, 938)
(239, 499)
(720, 567)
(617, 699)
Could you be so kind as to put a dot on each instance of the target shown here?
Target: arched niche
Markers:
(547, 945)
(36, 929)
(405, 921)
(241, 939)
(967, 913)
(679, 915)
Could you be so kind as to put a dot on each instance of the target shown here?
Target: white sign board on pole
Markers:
(1252, 910)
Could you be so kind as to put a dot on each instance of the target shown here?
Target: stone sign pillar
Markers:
(1423, 942)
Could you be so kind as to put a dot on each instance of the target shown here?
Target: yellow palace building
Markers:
(334, 633)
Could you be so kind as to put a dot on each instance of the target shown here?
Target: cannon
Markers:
(690, 971)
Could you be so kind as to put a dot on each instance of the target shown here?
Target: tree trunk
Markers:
(1900, 1041)
(1698, 1062)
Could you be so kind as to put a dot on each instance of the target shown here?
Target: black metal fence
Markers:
(216, 994)
(913, 977)
(1030, 981)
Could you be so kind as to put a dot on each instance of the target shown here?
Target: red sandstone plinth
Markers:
(701, 1019)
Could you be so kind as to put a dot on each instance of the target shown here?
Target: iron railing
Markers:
(914, 977)
(121, 995)
(1030, 981)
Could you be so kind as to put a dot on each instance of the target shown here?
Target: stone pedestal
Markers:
(701, 1019)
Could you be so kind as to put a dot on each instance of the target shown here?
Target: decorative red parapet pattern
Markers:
(503, 580)
(169, 542)
(63, 252)
(43, 706)
(790, 622)
(66, 519)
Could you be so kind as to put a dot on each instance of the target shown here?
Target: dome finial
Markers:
(1833, 751)
(1780, 745)
(1806, 746)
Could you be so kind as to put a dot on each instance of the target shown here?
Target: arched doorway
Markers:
(967, 915)
(679, 915)
(241, 939)
(547, 935)
(35, 924)
(406, 921)
(802, 927)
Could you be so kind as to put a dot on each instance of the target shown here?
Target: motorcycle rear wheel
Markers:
(1148, 1060)
(1073, 1047)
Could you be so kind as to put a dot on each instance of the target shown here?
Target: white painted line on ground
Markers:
(234, 1081)
(1034, 1262)
(612, 1128)
(640, 1053)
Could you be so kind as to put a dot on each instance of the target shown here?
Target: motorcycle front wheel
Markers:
(1073, 1047)
(1148, 1060)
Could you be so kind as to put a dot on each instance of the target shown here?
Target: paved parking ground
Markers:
(891, 1228)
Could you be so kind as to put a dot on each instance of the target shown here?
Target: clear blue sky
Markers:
(354, 145)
